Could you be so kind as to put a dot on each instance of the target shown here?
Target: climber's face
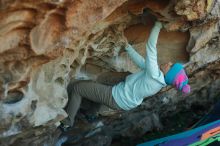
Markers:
(165, 67)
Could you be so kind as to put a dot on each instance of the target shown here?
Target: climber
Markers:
(130, 93)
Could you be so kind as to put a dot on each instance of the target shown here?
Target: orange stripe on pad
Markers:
(210, 133)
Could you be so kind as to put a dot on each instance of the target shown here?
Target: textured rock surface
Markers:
(45, 43)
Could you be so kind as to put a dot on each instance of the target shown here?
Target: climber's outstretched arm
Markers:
(151, 64)
(137, 58)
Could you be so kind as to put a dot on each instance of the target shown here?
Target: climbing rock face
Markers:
(46, 43)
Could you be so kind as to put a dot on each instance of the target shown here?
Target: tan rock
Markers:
(193, 9)
(18, 53)
(82, 15)
(20, 15)
(44, 36)
(13, 39)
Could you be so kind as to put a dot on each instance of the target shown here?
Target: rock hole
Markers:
(18, 116)
(13, 97)
(63, 66)
(60, 80)
(5, 77)
(34, 105)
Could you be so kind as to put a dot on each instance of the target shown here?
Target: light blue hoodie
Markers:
(147, 82)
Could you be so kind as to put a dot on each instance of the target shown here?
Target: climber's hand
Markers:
(123, 43)
(158, 24)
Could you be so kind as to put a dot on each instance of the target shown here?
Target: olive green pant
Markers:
(99, 92)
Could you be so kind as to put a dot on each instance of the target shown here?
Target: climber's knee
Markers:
(72, 87)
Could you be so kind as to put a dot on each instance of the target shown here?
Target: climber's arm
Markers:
(152, 67)
(137, 58)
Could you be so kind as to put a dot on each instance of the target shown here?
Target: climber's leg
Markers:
(92, 91)
(96, 92)
(72, 106)
(112, 78)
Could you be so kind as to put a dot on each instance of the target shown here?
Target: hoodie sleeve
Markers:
(135, 57)
(151, 64)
